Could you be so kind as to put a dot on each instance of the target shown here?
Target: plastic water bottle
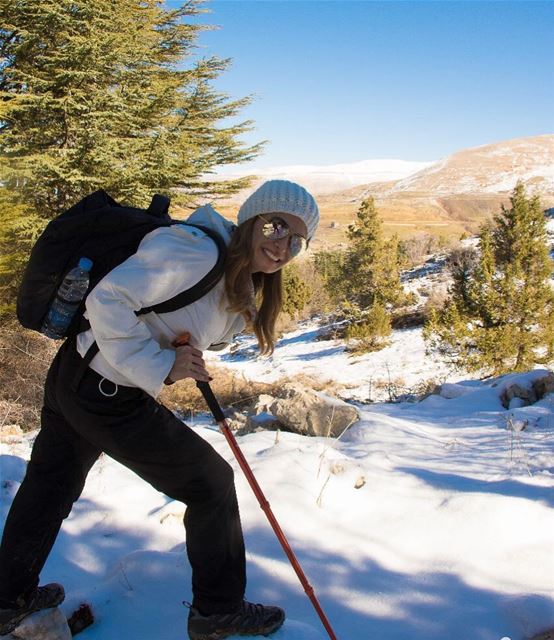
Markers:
(68, 297)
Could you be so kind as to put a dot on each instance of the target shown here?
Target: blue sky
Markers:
(341, 81)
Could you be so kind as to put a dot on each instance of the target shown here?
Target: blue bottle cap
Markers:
(85, 264)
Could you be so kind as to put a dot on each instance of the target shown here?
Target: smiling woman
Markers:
(106, 401)
(275, 222)
(275, 243)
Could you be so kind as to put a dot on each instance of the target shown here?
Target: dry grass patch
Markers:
(24, 360)
(233, 390)
(25, 357)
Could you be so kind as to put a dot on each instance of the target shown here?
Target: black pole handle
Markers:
(211, 400)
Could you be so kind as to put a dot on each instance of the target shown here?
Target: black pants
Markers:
(78, 423)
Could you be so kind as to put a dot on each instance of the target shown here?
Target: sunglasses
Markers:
(276, 228)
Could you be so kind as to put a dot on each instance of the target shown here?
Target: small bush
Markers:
(437, 299)
(329, 267)
(297, 292)
(417, 248)
(310, 300)
(371, 332)
(319, 300)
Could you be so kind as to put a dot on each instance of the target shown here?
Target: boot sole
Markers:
(220, 635)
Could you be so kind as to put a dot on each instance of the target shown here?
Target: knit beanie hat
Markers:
(282, 196)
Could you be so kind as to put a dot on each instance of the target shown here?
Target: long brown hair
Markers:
(238, 287)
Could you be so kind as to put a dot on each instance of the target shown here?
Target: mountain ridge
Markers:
(487, 168)
(448, 198)
(490, 168)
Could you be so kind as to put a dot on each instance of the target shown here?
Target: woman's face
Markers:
(271, 254)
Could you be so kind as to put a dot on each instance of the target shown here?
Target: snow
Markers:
(401, 366)
(492, 169)
(486, 169)
(323, 179)
(424, 521)
(507, 181)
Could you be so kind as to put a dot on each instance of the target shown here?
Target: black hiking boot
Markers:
(51, 595)
(249, 620)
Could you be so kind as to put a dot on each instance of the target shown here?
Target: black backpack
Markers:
(99, 228)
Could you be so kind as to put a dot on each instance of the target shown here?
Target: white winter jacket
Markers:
(136, 350)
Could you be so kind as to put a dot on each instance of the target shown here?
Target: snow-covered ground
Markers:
(425, 521)
(400, 368)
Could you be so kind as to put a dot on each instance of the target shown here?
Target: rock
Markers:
(544, 385)
(514, 395)
(526, 396)
(450, 390)
(235, 414)
(81, 618)
(236, 420)
(263, 403)
(48, 624)
(261, 422)
(517, 403)
(309, 412)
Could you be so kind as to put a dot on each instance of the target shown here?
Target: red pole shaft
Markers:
(264, 504)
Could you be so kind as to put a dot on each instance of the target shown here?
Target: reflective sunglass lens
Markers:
(275, 230)
(297, 245)
(267, 229)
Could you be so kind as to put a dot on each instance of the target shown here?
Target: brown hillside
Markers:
(447, 199)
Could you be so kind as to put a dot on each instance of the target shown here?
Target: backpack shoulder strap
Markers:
(159, 206)
(201, 288)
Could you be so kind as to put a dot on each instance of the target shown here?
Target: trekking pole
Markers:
(264, 504)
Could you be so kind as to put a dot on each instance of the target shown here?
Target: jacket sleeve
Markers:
(167, 262)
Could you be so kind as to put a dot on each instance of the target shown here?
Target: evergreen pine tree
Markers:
(107, 93)
(18, 221)
(365, 279)
(501, 320)
(372, 264)
(329, 265)
(94, 95)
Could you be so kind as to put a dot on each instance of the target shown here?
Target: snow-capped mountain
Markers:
(452, 196)
(326, 179)
(490, 168)
(486, 169)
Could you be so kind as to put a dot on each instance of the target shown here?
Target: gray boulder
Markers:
(313, 413)
(514, 395)
(544, 385)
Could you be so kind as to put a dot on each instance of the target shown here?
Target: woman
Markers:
(110, 406)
